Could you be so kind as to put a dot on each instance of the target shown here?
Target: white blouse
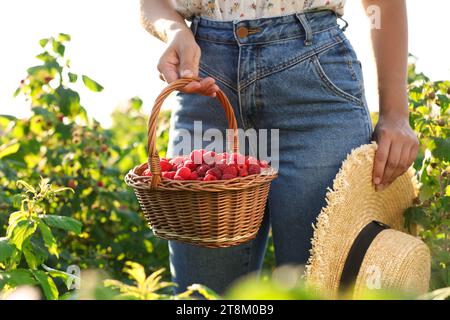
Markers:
(226, 10)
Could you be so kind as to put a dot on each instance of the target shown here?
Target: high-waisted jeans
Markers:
(296, 73)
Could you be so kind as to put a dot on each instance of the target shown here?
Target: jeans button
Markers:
(242, 32)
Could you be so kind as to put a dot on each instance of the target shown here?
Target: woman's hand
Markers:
(181, 59)
(397, 149)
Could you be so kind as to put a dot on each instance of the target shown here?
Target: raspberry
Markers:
(230, 170)
(169, 174)
(209, 157)
(197, 156)
(221, 164)
(190, 164)
(147, 173)
(215, 172)
(254, 169)
(184, 173)
(210, 177)
(165, 165)
(243, 172)
(251, 160)
(177, 178)
(201, 170)
(263, 164)
(241, 166)
(237, 158)
(228, 176)
(194, 176)
(176, 161)
(220, 156)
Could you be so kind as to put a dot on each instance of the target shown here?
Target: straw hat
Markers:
(359, 241)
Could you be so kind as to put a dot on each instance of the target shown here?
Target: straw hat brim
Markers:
(351, 205)
(394, 261)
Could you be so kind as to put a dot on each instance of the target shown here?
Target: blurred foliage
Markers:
(430, 118)
(61, 141)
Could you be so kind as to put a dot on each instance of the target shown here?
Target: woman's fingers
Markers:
(381, 157)
(205, 87)
(189, 60)
(413, 151)
(402, 164)
(391, 163)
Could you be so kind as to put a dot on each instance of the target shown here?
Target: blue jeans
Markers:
(296, 73)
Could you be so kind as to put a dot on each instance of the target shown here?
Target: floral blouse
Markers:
(252, 9)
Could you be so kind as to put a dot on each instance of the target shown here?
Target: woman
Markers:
(284, 65)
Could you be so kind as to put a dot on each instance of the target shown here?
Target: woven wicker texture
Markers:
(352, 204)
(212, 214)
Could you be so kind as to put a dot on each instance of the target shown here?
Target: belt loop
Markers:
(306, 26)
(194, 25)
(345, 21)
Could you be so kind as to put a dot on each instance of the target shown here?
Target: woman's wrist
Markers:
(173, 29)
(394, 102)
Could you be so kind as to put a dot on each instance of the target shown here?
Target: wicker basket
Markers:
(213, 214)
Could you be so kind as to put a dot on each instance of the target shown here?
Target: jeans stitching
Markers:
(269, 71)
(330, 84)
(217, 76)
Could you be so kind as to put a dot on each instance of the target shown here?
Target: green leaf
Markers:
(59, 48)
(6, 250)
(136, 103)
(47, 284)
(28, 187)
(68, 278)
(204, 291)
(15, 278)
(63, 37)
(442, 149)
(91, 84)
(62, 222)
(72, 77)
(43, 42)
(14, 219)
(45, 56)
(30, 257)
(49, 239)
(69, 101)
(9, 148)
(23, 231)
(136, 271)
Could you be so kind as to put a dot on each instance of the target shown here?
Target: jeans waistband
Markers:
(264, 30)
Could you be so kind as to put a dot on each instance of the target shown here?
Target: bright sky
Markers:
(109, 45)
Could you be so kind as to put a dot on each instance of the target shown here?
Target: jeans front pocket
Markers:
(340, 72)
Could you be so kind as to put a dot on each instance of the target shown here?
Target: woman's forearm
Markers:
(160, 19)
(390, 45)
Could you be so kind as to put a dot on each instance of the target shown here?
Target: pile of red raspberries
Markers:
(209, 166)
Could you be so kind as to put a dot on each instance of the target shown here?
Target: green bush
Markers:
(59, 140)
(29, 241)
(430, 118)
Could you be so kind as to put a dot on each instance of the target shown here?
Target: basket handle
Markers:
(153, 157)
